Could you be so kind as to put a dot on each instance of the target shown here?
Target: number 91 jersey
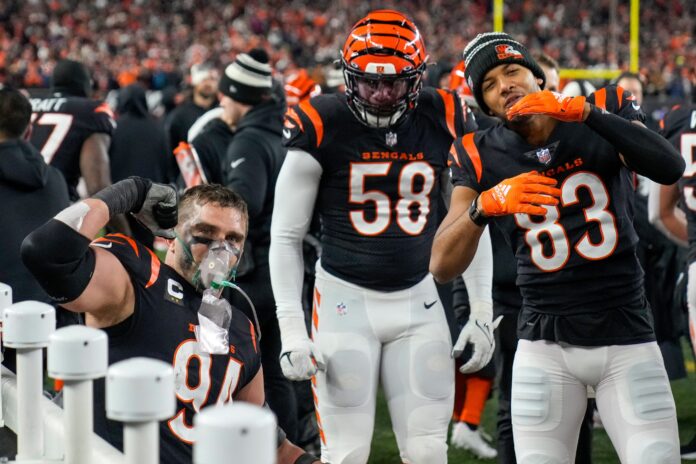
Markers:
(577, 262)
(380, 188)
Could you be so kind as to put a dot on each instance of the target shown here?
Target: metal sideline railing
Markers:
(139, 392)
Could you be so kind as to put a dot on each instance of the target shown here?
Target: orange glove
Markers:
(520, 194)
(569, 109)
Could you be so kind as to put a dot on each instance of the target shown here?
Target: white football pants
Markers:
(400, 338)
(691, 301)
(634, 398)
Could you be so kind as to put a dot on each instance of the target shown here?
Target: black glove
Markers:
(154, 205)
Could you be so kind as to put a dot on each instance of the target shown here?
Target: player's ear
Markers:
(539, 82)
(171, 246)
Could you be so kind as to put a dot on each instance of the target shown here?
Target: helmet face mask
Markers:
(383, 62)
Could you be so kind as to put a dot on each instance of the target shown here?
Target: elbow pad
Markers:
(60, 259)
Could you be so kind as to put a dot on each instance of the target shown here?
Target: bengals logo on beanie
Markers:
(508, 51)
(493, 49)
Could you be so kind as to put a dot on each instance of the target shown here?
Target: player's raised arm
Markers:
(90, 279)
(642, 150)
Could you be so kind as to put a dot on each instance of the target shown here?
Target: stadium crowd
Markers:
(158, 41)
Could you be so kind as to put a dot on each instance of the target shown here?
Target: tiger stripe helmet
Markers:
(383, 49)
(300, 86)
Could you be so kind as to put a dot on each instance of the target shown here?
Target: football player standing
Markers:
(373, 161)
(556, 179)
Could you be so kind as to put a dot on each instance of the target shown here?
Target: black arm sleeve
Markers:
(60, 258)
(644, 151)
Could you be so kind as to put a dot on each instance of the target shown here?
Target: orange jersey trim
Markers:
(129, 240)
(292, 114)
(104, 108)
(619, 95)
(453, 152)
(253, 336)
(154, 268)
(315, 119)
(472, 151)
(601, 98)
(448, 100)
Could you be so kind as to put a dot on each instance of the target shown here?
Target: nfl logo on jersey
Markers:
(543, 155)
(341, 309)
(390, 139)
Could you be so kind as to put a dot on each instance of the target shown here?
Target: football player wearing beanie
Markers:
(555, 177)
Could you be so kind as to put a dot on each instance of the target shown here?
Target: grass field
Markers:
(384, 450)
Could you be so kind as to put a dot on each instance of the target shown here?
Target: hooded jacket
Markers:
(252, 164)
(139, 144)
(32, 192)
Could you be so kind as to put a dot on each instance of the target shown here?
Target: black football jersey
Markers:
(162, 327)
(679, 127)
(61, 124)
(380, 187)
(577, 269)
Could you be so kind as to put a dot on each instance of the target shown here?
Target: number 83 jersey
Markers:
(577, 269)
(380, 188)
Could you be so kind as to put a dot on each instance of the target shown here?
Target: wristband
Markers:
(476, 215)
(125, 196)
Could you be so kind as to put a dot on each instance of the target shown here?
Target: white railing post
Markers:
(140, 393)
(27, 327)
(77, 355)
(5, 301)
(241, 430)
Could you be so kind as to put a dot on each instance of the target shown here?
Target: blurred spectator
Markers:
(550, 68)
(633, 83)
(139, 147)
(300, 86)
(334, 79)
(204, 80)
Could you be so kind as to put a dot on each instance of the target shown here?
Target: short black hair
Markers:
(15, 112)
(545, 60)
(630, 75)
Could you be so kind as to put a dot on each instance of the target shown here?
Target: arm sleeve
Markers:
(295, 195)
(478, 277)
(642, 150)
(246, 173)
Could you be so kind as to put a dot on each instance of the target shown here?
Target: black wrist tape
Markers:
(60, 259)
(125, 196)
(644, 151)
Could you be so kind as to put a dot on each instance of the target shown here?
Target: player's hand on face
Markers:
(524, 193)
(479, 333)
(553, 104)
(160, 210)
